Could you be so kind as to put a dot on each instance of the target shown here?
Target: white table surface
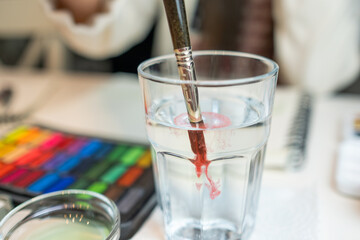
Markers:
(293, 205)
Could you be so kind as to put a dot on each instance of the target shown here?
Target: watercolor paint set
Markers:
(35, 159)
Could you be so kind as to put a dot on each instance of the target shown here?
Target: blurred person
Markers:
(106, 28)
(103, 36)
(316, 43)
(119, 32)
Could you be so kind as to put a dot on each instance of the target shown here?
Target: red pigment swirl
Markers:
(198, 146)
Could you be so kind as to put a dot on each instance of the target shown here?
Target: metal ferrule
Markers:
(184, 58)
(186, 69)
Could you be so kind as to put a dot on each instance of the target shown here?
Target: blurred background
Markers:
(316, 43)
(30, 39)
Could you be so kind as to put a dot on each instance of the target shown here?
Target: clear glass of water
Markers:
(70, 214)
(208, 175)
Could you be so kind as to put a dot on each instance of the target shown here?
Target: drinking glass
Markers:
(208, 175)
(70, 214)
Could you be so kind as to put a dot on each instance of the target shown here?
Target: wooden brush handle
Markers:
(176, 16)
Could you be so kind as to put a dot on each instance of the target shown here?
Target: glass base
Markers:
(219, 230)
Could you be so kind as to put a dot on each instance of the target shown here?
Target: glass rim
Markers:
(68, 192)
(236, 81)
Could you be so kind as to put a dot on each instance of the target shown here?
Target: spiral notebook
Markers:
(289, 129)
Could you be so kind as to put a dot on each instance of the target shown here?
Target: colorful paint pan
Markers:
(36, 160)
(31, 135)
(42, 160)
(14, 175)
(130, 177)
(62, 184)
(52, 142)
(29, 157)
(15, 154)
(6, 169)
(145, 160)
(43, 183)
(28, 179)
